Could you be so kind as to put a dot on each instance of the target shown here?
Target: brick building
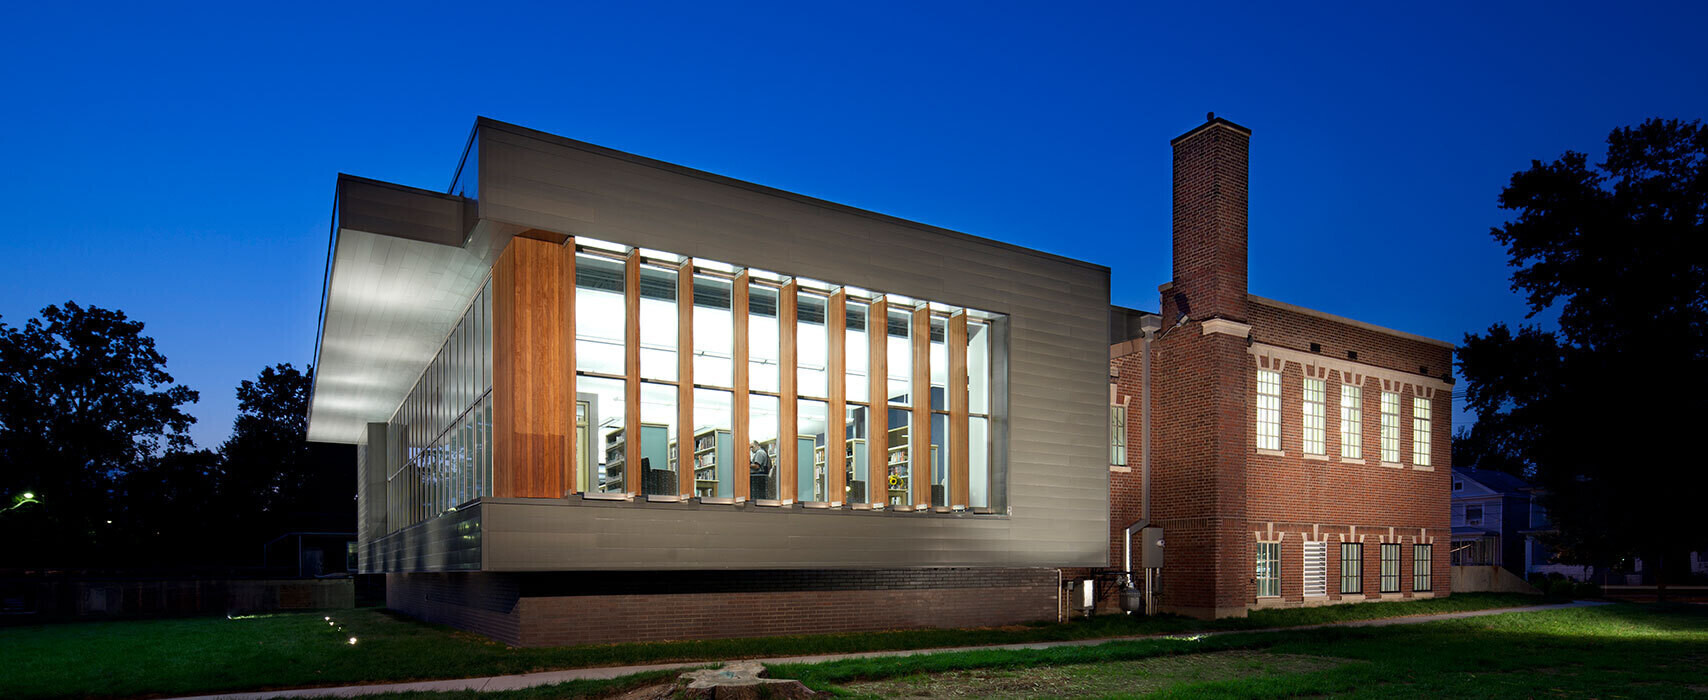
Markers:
(599, 397)
(1296, 457)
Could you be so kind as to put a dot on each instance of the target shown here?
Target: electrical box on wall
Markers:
(1150, 554)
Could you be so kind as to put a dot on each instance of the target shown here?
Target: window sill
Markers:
(768, 502)
(655, 498)
(1117, 468)
(607, 496)
(1344, 460)
(717, 501)
(817, 505)
(1392, 465)
(1272, 453)
(1320, 458)
(1423, 469)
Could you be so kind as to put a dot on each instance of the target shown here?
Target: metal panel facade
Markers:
(1055, 373)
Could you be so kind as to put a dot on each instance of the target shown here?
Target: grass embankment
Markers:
(185, 656)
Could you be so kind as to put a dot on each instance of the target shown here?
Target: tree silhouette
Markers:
(85, 399)
(1605, 410)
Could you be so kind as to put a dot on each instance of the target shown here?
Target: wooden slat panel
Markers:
(529, 335)
(836, 324)
(739, 402)
(631, 371)
(959, 459)
(919, 436)
(685, 378)
(878, 393)
(788, 485)
(571, 448)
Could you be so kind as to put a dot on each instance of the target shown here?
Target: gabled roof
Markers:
(1501, 482)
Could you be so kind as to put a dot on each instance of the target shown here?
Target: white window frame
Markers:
(1391, 427)
(1351, 421)
(1420, 426)
(1268, 431)
(1314, 425)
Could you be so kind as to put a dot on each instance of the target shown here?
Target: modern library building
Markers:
(599, 397)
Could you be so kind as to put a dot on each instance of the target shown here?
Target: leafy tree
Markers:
(84, 400)
(1604, 410)
(269, 464)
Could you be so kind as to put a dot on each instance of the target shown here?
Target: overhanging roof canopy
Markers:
(404, 264)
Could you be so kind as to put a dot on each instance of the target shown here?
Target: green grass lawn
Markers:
(169, 657)
(1623, 650)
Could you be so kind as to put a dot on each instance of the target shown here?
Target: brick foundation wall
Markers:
(605, 607)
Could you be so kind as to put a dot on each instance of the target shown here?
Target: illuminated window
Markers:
(1421, 554)
(1315, 420)
(1420, 431)
(1351, 567)
(1390, 568)
(1268, 410)
(1351, 421)
(1390, 427)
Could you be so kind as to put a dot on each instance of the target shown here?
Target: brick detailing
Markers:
(1210, 208)
(603, 607)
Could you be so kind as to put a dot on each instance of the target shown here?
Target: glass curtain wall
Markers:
(446, 424)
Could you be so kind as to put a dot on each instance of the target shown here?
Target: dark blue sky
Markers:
(178, 163)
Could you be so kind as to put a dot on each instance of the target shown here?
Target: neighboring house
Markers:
(1491, 511)
(599, 397)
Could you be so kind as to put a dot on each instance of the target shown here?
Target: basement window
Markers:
(1269, 569)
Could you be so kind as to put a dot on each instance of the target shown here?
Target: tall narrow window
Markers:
(762, 449)
(1420, 431)
(1268, 569)
(1118, 435)
(812, 346)
(1351, 421)
(978, 407)
(764, 345)
(937, 353)
(898, 388)
(717, 459)
(1390, 427)
(1268, 410)
(1420, 556)
(1351, 567)
(713, 328)
(812, 468)
(1315, 568)
(658, 433)
(657, 323)
(1391, 568)
(857, 348)
(1315, 419)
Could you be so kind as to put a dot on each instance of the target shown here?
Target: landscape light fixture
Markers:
(19, 501)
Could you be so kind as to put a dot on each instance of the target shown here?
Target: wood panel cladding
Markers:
(878, 391)
(631, 371)
(836, 324)
(532, 418)
(919, 436)
(738, 305)
(788, 449)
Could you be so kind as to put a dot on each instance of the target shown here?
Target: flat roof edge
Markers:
(596, 149)
(1351, 321)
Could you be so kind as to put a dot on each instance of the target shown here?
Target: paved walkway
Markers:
(529, 680)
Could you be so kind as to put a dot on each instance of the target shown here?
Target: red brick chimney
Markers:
(1211, 164)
